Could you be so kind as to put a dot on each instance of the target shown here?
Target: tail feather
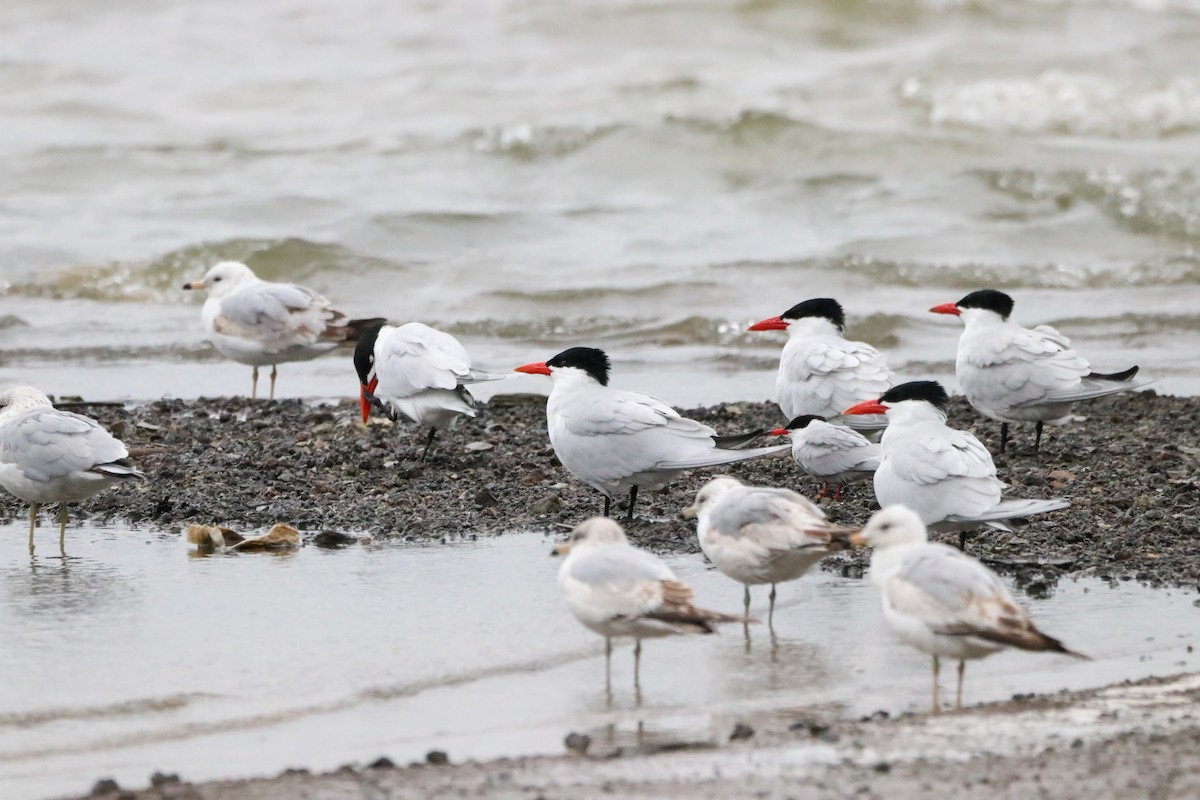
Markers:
(715, 457)
(348, 331)
(695, 619)
(1028, 638)
(736, 441)
(1013, 509)
(1090, 388)
(863, 423)
(1112, 376)
(482, 376)
(122, 468)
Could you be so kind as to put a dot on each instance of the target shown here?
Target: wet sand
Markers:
(1131, 740)
(1131, 471)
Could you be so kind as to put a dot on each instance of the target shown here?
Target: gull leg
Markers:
(1037, 443)
(632, 500)
(962, 667)
(937, 706)
(607, 504)
(429, 443)
(274, 372)
(254, 384)
(62, 528)
(608, 668)
(1003, 435)
(637, 670)
(771, 612)
(33, 509)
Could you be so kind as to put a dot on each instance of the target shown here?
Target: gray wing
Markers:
(46, 443)
(778, 519)
(949, 591)
(832, 449)
(623, 568)
(263, 310)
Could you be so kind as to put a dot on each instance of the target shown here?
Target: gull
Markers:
(616, 441)
(759, 534)
(257, 322)
(821, 372)
(834, 454)
(615, 589)
(418, 372)
(1015, 374)
(947, 476)
(941, 601)
(52, 456)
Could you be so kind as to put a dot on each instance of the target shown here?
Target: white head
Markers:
(19, 398)
(223, 278)
(915, 401)
(591, 533)
(710, 493)
(894, 525)
(819, 316)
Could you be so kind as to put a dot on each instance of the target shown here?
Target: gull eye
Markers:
(216, 279)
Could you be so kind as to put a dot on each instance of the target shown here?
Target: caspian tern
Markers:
(945, 475)
(941, 601)
(834, 454)
(759, 534)
(616, 590)
(418, 372)
(615, 441)
(257, 322)
(820, 372)
(1014, 374)
(52, 456)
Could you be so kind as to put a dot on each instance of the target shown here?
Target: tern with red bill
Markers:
(821, 372)
(261, 323)
(760, 534)
(941, 601)
(1015, 374)
(617, 441)
(945, 475)
(417, 372)
(833, 454)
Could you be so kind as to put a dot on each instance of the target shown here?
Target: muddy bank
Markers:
(1131, 471)
(1130, 740)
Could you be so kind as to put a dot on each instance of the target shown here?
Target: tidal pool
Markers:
(134, 655)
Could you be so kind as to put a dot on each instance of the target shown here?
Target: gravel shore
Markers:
(1131, 470)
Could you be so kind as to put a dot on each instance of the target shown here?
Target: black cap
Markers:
(929, 391)
(589, 359)
(802, 421)
(822, 307)
(989, 299)
(364, 352)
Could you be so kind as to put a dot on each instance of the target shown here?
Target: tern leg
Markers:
(962, 540)
(1037, 443)
(274, 372)
(962, 667)
(632, 500)
(824, 492)
(607, 504)
(62, 528)
(771, 612)
(937, 666)
(33, 509)
(1003, 435)
(838, 494)
(429, 443)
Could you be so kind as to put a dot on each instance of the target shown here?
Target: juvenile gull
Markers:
(257, 322)
(834, 454)
(418, 372)
(945, 475)
(616, 590)
(758, 534)
(1015, 374)
(617, 441)
(941, 601)
(52, 456)
(820, 371)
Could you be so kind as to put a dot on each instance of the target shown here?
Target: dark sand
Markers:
(1131, 471)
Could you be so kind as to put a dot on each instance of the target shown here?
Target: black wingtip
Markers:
(1115, 377)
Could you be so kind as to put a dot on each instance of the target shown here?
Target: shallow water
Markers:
(647, 178)
(133, 656)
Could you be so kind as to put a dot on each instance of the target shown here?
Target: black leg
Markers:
(632, 500)
(1037, 443)
(1003, 435)
(607, 504)
(962, 540)
(429, 443)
